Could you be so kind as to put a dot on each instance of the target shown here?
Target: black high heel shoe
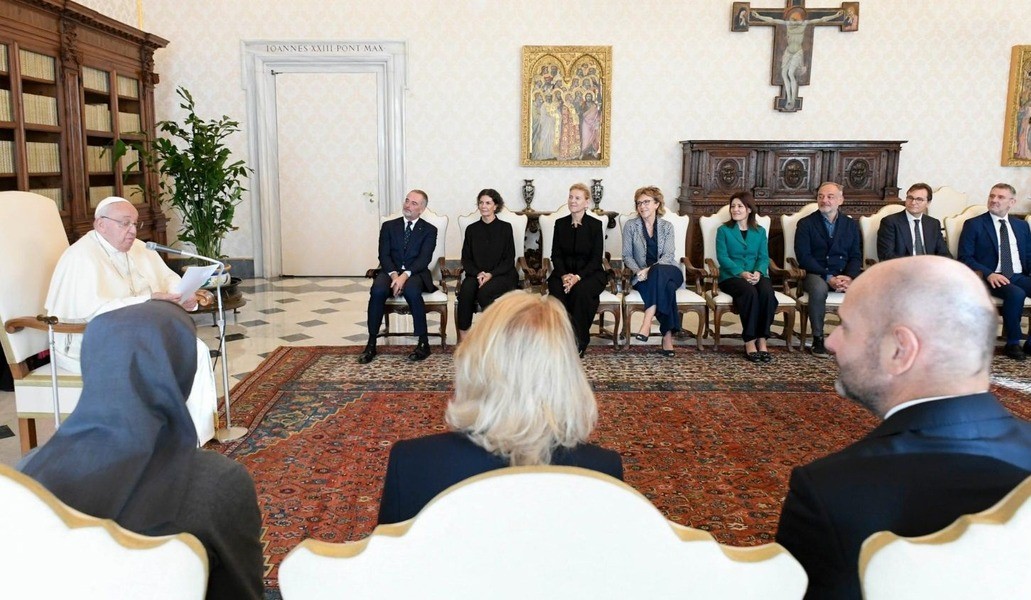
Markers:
(640, 337)
(753, 357)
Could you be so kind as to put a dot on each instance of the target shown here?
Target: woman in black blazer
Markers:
(577, 277)
(521, 398)
(488, 260)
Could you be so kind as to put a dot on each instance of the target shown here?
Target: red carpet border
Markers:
(709, 438)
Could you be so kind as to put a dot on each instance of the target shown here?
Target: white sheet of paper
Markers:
(193, 278)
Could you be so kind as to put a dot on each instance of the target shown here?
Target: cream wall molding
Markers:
(262, 61)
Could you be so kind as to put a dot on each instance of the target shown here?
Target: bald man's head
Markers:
(921, 321)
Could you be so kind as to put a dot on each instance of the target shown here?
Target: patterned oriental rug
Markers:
(708, 437)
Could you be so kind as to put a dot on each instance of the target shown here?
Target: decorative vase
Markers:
(528, 192)
(597, 191)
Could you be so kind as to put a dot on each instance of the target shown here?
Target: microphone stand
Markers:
(229, 433)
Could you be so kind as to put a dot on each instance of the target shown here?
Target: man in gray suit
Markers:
(912, 232)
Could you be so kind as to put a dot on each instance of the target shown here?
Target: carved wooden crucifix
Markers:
(793, 40)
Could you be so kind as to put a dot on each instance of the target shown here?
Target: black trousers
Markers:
(470, 294)
(755, 304)
(581, 303)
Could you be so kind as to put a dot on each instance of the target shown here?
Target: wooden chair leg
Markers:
(27, 435)
(789, 330)
(803, 316)
(443, 329)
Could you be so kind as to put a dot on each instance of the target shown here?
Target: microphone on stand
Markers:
(159, 248)
(229, 433)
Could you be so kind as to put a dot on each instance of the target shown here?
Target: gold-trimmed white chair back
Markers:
(983, 555)
(946, 201)
(518, 223)
(55, 551)
(615, 544)
(954, 225)
(789, 224)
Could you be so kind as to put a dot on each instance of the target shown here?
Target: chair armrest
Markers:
(372, 273)
(712, 275)
(39, 322)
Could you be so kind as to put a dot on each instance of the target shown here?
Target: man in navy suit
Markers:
(946, 446)
(912, 231)
(827, 246)
(998, 247)
(405, 250)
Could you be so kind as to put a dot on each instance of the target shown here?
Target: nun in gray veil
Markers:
(128, 452)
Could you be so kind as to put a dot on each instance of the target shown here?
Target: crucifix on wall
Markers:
(793, 40)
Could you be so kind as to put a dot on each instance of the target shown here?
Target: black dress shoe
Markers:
(765, 356)
(818, 348)
(1027, 347)
(1013, 351)
(367, 355)
(668, 353)
(421, 352)
(753, 357)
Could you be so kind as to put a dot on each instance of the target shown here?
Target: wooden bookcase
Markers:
(73, 81)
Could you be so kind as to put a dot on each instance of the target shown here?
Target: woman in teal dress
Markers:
(743, 255)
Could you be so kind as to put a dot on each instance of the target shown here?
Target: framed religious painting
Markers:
(566, 106)
(1016, 147)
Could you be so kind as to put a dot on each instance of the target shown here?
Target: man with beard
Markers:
(946, 446)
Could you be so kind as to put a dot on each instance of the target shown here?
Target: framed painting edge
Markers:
(1018, 56)
(529, 55)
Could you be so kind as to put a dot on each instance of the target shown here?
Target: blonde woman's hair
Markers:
(520, 389)
(583, 188)
(654, 192)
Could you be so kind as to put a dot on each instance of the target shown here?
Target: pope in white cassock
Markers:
(107, 269)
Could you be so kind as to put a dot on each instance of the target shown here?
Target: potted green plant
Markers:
(197, 178)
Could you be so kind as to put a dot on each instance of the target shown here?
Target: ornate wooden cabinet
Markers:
(784, 176)
(72, 81)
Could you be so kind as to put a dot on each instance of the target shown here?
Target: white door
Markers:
(329, 172)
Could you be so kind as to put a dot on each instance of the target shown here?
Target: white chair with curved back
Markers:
(869, 226)
(688, 301)
(789, 224)
(32, 240)
(55, 551)
(954, 225)
(985, 555)
(611, 300)
(436, 301)
(946, 201)
(720, 302)
(511, 534)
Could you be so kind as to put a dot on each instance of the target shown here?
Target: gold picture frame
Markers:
(566, 106)
(1016, 146)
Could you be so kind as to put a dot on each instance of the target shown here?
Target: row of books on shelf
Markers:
(129, 123)
(5, 106)
(95, 80)
(128, 87)
(43, 157)
(98, 159)
(52, 193)
(98, 193)
(40, 110)
(131, 159)
(3, 58)
(6, 157)
(98, 117)
(36, 65)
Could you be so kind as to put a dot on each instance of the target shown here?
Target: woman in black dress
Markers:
(577, 278)
(488, 260)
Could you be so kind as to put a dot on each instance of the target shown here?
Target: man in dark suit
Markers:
(405, 250)
(912, 231)
(827, 246)
(998, 247)
(946, 447)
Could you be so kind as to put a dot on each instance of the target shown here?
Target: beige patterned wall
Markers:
(122, 10)
(933, 72)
